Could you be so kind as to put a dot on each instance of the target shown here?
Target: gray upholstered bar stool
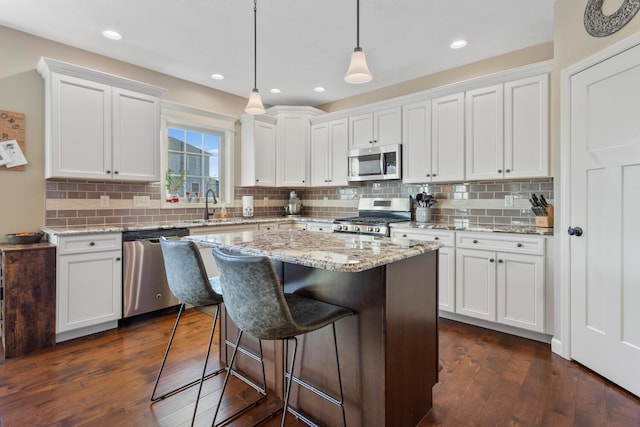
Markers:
(188, 281)
(257, 304)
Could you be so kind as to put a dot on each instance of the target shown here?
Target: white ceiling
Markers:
(301, 43)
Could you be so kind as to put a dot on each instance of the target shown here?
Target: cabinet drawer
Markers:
(86, 243)
(442, 236)
(506, 243)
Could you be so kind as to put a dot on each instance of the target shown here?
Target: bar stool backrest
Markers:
(254, 297)
(186, 273)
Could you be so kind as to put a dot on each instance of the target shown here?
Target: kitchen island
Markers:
(388, 350)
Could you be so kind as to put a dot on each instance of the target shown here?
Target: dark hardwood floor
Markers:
(488, 379)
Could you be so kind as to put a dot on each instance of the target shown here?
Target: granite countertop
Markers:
(454, 226)
(459, 226)
(216, 222)
(329, 251)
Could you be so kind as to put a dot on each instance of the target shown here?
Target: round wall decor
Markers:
(600, 25)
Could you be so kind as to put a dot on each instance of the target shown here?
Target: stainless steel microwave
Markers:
(375, 163)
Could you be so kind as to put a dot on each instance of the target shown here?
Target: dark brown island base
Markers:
(388, 351)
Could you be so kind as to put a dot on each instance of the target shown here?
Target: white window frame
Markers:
(184, 117)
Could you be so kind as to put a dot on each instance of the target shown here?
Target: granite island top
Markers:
(329, 251)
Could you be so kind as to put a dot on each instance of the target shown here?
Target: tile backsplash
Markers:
(77, 203)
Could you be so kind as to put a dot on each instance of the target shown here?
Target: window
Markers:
(198, 153)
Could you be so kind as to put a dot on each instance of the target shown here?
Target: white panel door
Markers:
(447, 279)
(526, 135)
(605, 184)
(89, 290)
(387, 126)
(320, 155)
(265, 154)
(416, 142)
(476, 283)
(338, 151)
(447, 140)
(136, 136)
(81, 128)
(361, 131)
(484, 133)
(293, 150)
(520, 291)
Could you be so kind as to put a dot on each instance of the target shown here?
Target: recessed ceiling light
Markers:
(319, 89)
(111, 34)
(458, 44)
(275, 90)
(217, 76)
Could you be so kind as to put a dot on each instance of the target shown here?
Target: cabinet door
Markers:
(320, 155)
(80, 142)
(338, 151)
(520, 291)
(136, 136)
(387, 126)
(484, 133)
(476, 284)
(447, 139)
(257, 152)
(293, 150)
(416, 142)
(526, 136)
(361, 131)
(447, 279)
(89, 290)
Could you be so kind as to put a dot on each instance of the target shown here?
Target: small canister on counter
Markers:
(423, 214)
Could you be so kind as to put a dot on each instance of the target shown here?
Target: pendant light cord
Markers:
(357, 23)
(255, 44)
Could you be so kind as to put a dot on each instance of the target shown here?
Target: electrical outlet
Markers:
(326, 201)
(141, 201)
(508, 201)
(104, 201)
(265, 200)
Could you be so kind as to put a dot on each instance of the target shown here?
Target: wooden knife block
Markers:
(545, 221)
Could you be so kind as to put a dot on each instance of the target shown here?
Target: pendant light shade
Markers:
(254, 106)
(358, 71)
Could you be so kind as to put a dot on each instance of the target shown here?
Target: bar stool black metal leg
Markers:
(204, 368)
(289, 375)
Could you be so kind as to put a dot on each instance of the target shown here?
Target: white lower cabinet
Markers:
(89, 285)
(502, 282)
(446, 261)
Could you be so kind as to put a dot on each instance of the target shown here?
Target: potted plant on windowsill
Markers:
(173, 182)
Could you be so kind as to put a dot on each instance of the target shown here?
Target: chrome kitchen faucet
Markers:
(207, 214)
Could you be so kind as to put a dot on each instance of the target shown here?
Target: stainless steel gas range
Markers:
(374, 216)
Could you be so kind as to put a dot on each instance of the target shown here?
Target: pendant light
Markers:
(254, 106)
(358, 71)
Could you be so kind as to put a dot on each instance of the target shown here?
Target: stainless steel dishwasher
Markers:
(144, 282)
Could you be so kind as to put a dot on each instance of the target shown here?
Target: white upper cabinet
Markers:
(258, 151)
(484, 133)
(507, 130)
(447, 138)
(433, 140)
(275, 148)
(99, 126)
(329, 146)
(293, 139)
(381, 127)
(526, 109)
(416, 142)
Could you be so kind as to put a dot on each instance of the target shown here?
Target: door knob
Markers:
(575, 231)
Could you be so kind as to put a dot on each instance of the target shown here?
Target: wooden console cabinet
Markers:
(28, 306)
